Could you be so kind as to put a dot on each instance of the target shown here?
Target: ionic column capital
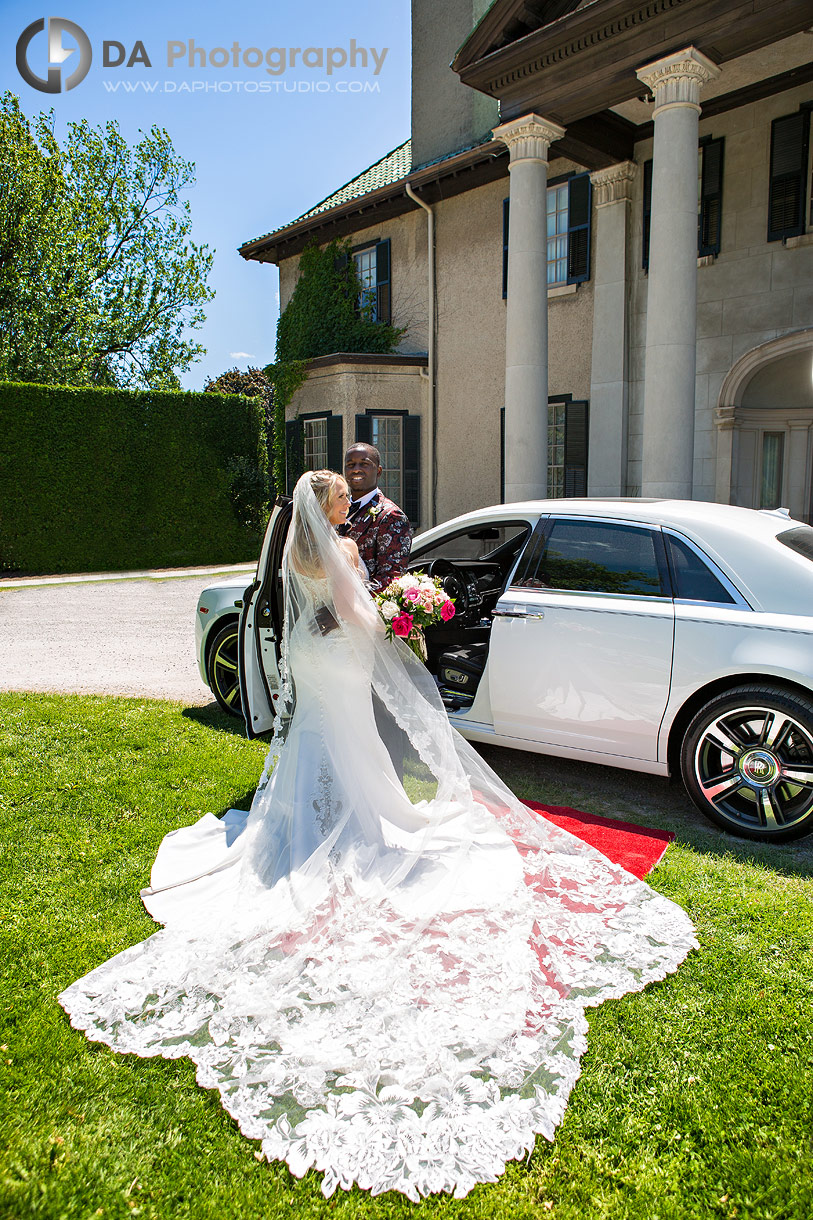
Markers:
(613, 184)
(677, 79)
(528, 138)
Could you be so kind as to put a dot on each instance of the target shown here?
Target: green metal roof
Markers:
(395, 165)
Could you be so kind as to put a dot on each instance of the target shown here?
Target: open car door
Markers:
(260, 635)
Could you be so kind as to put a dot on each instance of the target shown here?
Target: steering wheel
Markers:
(453, 581)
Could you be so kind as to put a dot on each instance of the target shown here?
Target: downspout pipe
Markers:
(430, 363)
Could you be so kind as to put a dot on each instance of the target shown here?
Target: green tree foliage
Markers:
(98, 280)
(324, 315)
(251, 383)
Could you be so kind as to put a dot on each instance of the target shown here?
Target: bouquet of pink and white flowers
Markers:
(410, 603)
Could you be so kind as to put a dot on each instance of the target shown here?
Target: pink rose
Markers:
(447, 611)
(402, 624)
(411, 595)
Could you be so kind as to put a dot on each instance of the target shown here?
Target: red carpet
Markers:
(636, 848)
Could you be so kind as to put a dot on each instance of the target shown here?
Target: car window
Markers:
(692, 579)
(798, 539)
(481, 542)
(593, 557)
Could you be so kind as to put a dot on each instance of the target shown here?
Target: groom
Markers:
(379, 527)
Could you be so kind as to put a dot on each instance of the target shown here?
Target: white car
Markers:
(660, 635)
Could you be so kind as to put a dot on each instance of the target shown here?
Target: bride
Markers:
(386, 984)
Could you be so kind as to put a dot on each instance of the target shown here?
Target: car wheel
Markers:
(222, 671)
(747, 762)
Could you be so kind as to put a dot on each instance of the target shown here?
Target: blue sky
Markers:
(262, 158)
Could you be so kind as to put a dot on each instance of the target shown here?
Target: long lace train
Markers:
(398, 1069)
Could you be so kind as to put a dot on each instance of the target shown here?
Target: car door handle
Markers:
(517, 613)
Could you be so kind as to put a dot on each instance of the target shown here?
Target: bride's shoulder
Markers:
(350, 549)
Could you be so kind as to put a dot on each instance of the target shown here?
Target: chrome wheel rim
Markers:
(754, 766)
(225, 675)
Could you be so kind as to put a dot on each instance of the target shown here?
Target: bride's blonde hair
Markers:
(324, 485)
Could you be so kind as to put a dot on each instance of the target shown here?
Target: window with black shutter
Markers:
(373, 267)
(505, 208)
(710, 215)
(787, 202)
(567, 448)
(335, 448)
(647, 213)
(412, 468)
(294, 453)
(568, 231)
(709, 200)
(312, 442)
(383, 303)
(575, 449)
(397, 436)
(578, 229)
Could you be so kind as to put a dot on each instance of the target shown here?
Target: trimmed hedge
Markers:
(106, 479)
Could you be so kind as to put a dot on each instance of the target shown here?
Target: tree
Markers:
(98, 280)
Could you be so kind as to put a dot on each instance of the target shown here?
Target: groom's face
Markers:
(361, 471)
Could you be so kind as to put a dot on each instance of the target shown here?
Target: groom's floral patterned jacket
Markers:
(383, 536)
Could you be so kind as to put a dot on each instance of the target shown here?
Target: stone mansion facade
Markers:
(599, 237)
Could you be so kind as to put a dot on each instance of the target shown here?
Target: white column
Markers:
(671, 311)
(526, 327)
(612, 191)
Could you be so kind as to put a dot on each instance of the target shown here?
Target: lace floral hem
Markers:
(354, 1055)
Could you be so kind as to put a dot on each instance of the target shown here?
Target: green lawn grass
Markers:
(695, 1098)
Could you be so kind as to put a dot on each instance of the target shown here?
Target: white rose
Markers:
(389, 609)
(408, 582)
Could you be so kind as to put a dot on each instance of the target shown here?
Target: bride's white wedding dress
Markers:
(390, 991)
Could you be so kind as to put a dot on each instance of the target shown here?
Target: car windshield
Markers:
(481, 542)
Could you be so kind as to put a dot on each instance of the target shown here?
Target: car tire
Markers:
(747, 763)
(222, 669)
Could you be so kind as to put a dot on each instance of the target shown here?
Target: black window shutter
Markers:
(786, 198)
(294, 453)
(647, 213)
(364, 429)
(576, 449)
(341, 260)
(383, 300)
(335, 456)
(502, 455)
(710, 220)
(412, 468)
(579, 194)
(506, 205)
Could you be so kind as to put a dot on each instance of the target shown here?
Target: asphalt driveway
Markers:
(106, 636)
